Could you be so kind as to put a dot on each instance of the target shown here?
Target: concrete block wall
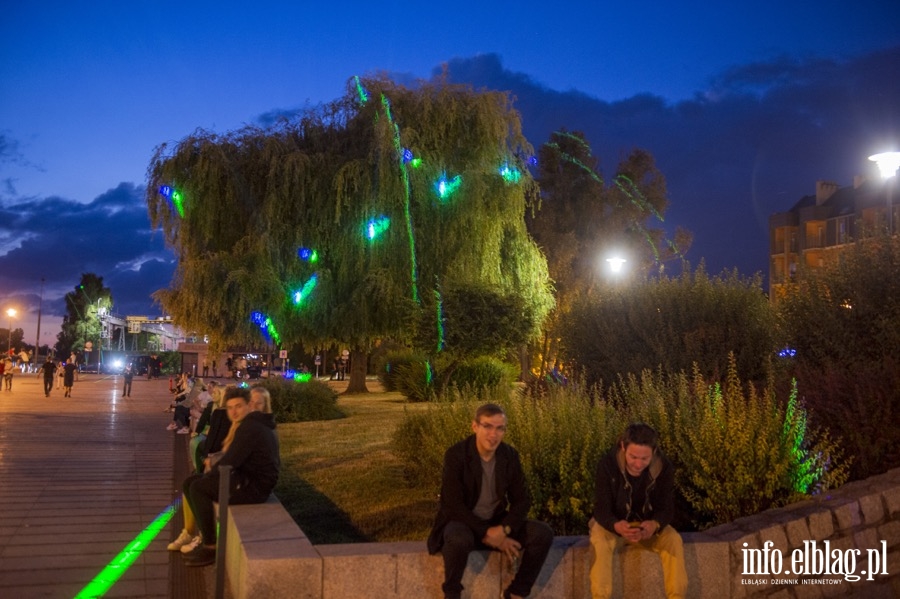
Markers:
(269, 556)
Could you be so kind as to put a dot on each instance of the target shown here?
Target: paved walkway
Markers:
(80, 479)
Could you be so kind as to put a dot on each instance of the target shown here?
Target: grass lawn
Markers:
(340, 481)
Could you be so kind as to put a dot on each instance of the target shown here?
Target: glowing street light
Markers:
(616, 263)
(10, 312)
(888, 163)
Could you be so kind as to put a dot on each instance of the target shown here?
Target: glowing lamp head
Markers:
(616, 263)
(888, 163)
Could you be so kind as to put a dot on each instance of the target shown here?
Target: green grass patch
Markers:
(340, 481)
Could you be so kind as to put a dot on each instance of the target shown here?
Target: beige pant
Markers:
(667, 544)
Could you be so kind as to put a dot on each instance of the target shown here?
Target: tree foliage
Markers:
(583, 219)
(843, 322)
(81, 322)
(354, 180)
(673, 323)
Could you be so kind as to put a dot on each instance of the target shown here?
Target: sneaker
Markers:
(183, 539)
(192, 545)
(201, 556)
(172, 426)
(184, 430)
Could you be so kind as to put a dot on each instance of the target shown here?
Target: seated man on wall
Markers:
(634, 501)
(253, 454)
(484, 502)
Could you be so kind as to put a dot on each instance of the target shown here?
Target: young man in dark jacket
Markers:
(484, 504)
(254, 458)
(634, 501)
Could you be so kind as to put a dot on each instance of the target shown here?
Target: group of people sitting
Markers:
(484, 500)
(235, 428)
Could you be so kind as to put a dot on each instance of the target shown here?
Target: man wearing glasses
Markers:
(483, 504)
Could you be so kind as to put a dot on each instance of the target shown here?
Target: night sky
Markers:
(743, 107)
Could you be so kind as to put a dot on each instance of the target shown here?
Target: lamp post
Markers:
(888, 163)
(10, 312)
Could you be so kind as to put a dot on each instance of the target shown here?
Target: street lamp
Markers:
(616, 263)
(10, 312)
(888, 163)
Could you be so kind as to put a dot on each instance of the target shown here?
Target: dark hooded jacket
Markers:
(253, 454)
(618, 496)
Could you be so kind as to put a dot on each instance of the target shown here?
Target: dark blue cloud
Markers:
(57, 240)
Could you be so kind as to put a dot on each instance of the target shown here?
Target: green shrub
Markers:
(302, 402)
(408, 373)
(736, 453)
(484, 373)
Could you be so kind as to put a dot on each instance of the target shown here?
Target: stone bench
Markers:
(268, 556)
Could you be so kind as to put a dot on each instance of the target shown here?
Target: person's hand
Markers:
(630, 533)
(648, 529)
(510, 547)
(494, 536)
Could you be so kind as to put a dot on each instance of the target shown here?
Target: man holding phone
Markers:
(634, 502)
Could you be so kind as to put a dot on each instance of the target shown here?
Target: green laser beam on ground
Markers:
(120, 564)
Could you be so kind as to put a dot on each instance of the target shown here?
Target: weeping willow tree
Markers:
(350, 223)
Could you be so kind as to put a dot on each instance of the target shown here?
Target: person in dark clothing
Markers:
(634, 501)
(253, 455)
(69, 377)
(128, 375)
(49, 369)
(484, 503)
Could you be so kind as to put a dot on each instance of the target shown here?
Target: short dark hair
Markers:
(488, 409)
(639, 433)
(232, 391)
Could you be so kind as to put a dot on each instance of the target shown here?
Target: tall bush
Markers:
(736, 451)
(843, 321)
(673, 323)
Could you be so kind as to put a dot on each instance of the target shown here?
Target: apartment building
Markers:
(818, 227)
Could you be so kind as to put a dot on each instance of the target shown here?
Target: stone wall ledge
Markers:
(269, 556)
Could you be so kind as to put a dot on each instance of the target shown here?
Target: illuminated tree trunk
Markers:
(359, 360)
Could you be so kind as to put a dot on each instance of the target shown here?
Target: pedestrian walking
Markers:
(49, 370)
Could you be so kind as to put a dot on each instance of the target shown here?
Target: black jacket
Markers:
(253, 454)
(461, 487)
(615, 497)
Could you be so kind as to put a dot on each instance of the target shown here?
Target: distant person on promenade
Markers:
(483, 504)
(69, 377)
(128, 376)
(634, 502)
(8, 373)
(49, 370)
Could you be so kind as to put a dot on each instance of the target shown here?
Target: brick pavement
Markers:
(80, 478)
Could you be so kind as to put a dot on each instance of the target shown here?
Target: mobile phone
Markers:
(634, 525)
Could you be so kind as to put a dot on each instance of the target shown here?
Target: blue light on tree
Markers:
(266, 325)
(306, 290)
(445, 187)
(376, 227)
(308, 255)
(174, 196)
(510, 174)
